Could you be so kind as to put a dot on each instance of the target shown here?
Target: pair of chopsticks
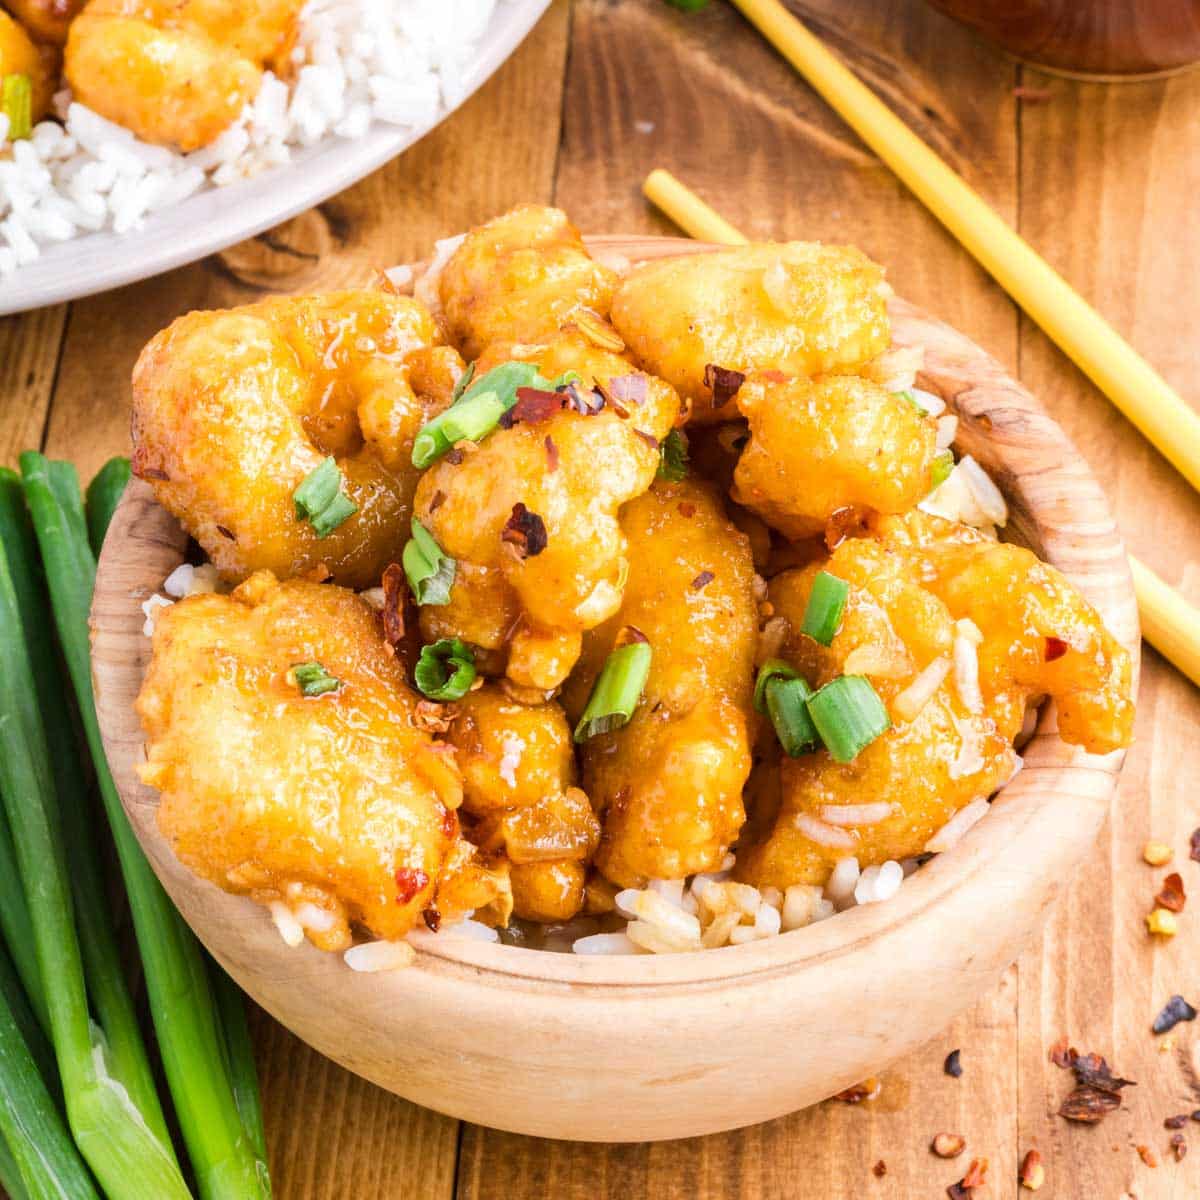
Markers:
(1169, 622)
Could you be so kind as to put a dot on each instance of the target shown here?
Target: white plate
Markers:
(219, 217)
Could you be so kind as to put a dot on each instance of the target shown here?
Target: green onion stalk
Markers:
(128, 1157)
(190, 1038)
(98, 944)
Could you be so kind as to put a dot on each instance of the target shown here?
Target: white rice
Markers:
(358, 63)
(379, 956)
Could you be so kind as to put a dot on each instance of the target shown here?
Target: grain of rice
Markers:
(475, 931)
(840, 886)
(767, 920)
(371, 957)
(947, 431)
(717, 933)
(954, 829)
(374, 597)
(970, 752)
(606, 943)
(823, 834)
(966, 671)
(909, 704)
(151, 609)
(659, 940)
(856, 814)
(743, 934)
(289, 928)
(310, 916)
(799, 906)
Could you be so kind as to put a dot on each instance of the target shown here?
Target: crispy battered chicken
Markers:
(335, 803)
(232, 410)
(669, 784)
(797, 307)
(21, 55)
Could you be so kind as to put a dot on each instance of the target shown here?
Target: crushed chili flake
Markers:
(449, 822)
(846, 522)
(953, 1066)
(1175, 1010)
(723, 382)
(630, 389)
(1179, 1147)
(454, 456)
(533, 406)
(409, 882)
(433, 919)
(879, 1170)
(628, 634)
(1055, 648)
(437, 500)
(1147, 1156)
(948, 1145)
(1194, 852)
(702, 580)
(1033, 1174)
(1172, 895)
(1176, 1122)
(1061, 1054)
(974, 1178)
(1092, 1070)
(395, 600)
(227, 533)
(586, 403)
(526, 531)
(1097, 1091)
(1089, 1105)
(432, 717)
(687, 509)
(551, 454)
(648, 438)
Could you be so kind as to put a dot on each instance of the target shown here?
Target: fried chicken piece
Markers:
(232, 410)
(518, 278)
(840, 442)
(46, 20)
(176, 72)
(571, 472)
(337, 800)
(518, 767)
(1040, 636)
(903, 787)
(797, 307)
(669, 784)
(21, 55)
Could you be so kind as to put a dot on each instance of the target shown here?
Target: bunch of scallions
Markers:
(80, 1115)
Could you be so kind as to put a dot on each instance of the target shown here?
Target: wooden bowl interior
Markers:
(967, 913)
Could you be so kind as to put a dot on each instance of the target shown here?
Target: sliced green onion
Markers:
(688, 5)
(321, 500)
(826, 602)
(773, 668)
(313, 680)
(445, 670)
(103, 495)
(905, 394)
(16, 102)
(616, 692)
(943, 464)
(464, 382)
(477, 410)
(787, 706)
(673, 457)
(849, 716)
(429, 570)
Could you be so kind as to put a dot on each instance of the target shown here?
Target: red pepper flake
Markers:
(395, 598)
(879, 1170)
(409, 882)
(227, 533)
(587, 404)
(449, 823)
(1093, 1071)
(1097, 1091)
(952, 1066)
(1147, 1156)
(723, 382)
(1172, 895)
(526, 531)
(974, 1178)
(431, 717)
(846, 522)
(532, 407)
(1055, 648)
(648, 438)
(433, 919)
(551, 454)
(437, 500)
(1195, 846)
(1177, 1122)
(628, 389)
(687, 509)
(454, 456)
(1179, 1147)
(702, 580)
(1061, 1054)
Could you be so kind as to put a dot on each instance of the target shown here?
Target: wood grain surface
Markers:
(1102, 180)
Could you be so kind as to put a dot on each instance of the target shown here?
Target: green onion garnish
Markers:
(430, 571)
(616, 691)
(445, 670)
(849, 716)
(464, 382)
(787, 706)
(673, 457)
(826, 602)
(321, 500)
(688, 5)
(16, 102)
(943, 464)
(313, 680)
(477, 410)
(773, 668)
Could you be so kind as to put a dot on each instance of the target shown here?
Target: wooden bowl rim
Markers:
(1056, 506)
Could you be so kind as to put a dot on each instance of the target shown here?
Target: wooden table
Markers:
(1103, 180)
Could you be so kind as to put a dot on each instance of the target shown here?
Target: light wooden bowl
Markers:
(637, 1049)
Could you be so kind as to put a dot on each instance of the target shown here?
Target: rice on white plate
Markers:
(358, 62)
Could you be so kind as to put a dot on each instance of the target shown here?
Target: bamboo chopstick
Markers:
(1126, 378)
(1169, 623)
